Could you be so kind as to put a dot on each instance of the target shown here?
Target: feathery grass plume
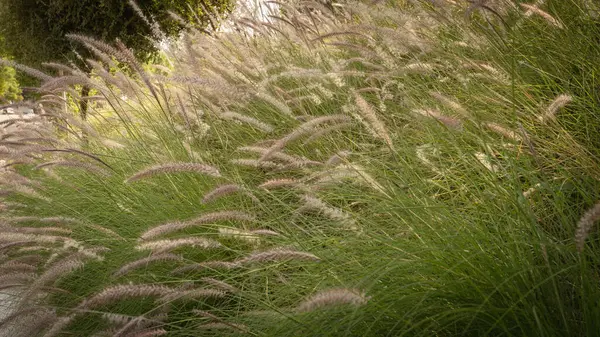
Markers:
(37, 249)
(29, 71)
(58, 270)
(556, 104)
(496, 74)
(59, 325)
(510, 134)
(278, 183)
(60, 67)
(130, 59)
(301, 130)
(119, 292)
(52, 220)
(27, 322)
(138, 324)
(204, 219)
(368, 113)
(162, 246)
(157, 33)
(145, 262)
(206, 314)
(238, 234)
(20, 237)
(59, 83)
(106, 50)
(40, 230)
(256, 163)
(333, 297)
(484, 159)
(324, 131)
(284, 157)
(231, 115)
(351, 172)
(265, 232)
(29, 192)
(219, 284)
(75, 164)
(585, 225)
(17, 277)
(333, 213)
(221, 191)
(172, 168)
(276, 255)
(532, 9)
(16, 266)
(452, 104)
(117, 319)
(448, 121)
(337, 158)
(192, 294)
(32, 259)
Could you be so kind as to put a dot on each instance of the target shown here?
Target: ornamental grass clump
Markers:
(326, 169)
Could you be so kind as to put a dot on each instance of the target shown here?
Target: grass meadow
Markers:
(395, 168)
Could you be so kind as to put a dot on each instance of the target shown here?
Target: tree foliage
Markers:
(9, 87)
(34, 30)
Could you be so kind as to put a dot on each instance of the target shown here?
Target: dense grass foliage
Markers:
(414, 169)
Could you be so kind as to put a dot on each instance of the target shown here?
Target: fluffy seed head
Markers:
(220, 191)
(556, 104)
(333, 297)
(161, 246)
(116, 293)
(277, 254)
(172, 168)
(585, 225)
(145, 262)
(204, 219)
(370, 117)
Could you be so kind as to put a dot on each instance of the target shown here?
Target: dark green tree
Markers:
(34, 30)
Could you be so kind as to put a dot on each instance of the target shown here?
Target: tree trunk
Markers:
(83, 104)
